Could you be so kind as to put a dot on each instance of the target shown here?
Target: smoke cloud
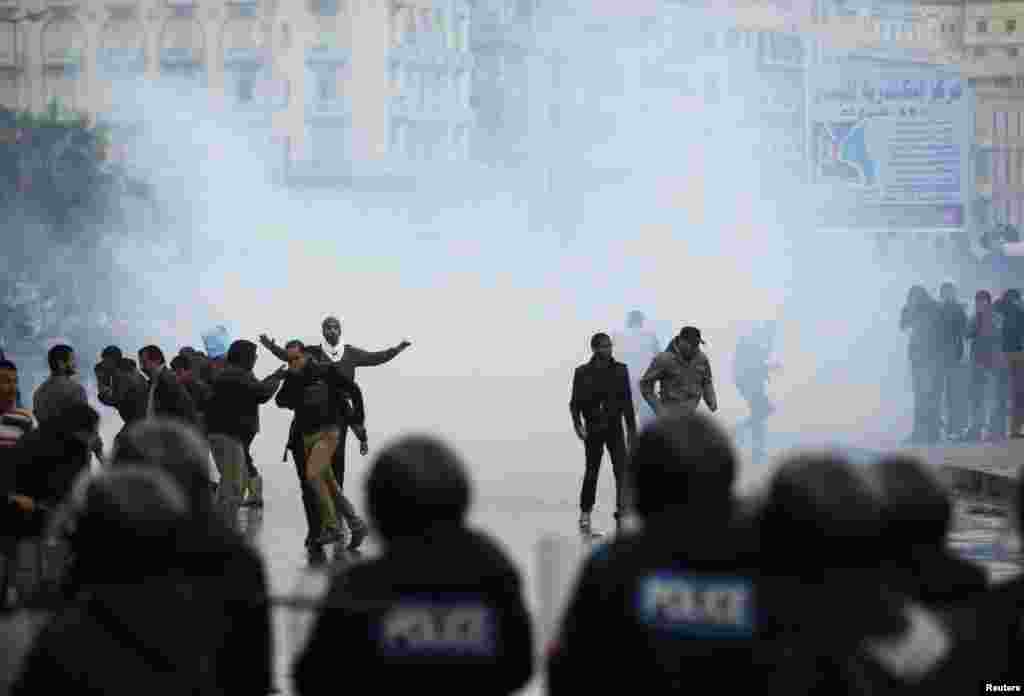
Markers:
(679, 216)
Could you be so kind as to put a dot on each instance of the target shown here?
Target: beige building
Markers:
(334, 81)
(993, 42)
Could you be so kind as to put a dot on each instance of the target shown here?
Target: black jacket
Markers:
(321, 396)
(128, 394)
(952, 332)
(46, 463)
(234, 408)
(172, 400)
(673, 607)
(602, 395)
(1013, 326)
(441, 612)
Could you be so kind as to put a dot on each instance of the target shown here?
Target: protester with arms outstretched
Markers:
(346, 358)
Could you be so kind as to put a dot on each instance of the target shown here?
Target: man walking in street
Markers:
(683, 375)
(233, 420)
(601, 398)
(318, 394)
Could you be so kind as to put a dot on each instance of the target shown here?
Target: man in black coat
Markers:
(322, 397)
(233, 412)
(442, 605)
(122, 386)
(166, 398)
(601, 398)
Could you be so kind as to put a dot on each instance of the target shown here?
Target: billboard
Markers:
(890, 143)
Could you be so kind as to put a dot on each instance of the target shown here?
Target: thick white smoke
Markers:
(499, 312)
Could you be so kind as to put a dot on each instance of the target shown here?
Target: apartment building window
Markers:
(326, 86)
(1020, 83)
(1011, 26)
(982, 26)
(709, 40)
(979, 51)
(732, 39)
(326, 8)
(1013, 51)
(246, 89)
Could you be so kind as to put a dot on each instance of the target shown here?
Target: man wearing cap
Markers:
(684, 375)
(346, 358)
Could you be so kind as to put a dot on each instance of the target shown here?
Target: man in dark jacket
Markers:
(601, 398)
(346, 358)
(952, 383)
(442, 605)
(321, 397)
(122, 387)
(1012, 379)
(166, 398)
(920, 316)
(233, 414)
(198, 388)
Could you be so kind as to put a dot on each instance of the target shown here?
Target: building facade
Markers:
(341, 86)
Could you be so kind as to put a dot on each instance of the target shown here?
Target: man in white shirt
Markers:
(637, 346)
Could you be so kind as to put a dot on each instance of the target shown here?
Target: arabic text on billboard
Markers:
(892, 137)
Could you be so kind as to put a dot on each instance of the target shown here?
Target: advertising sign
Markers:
(890, 141)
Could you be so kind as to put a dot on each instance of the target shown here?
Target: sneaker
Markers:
(359, 530)
(586, 529)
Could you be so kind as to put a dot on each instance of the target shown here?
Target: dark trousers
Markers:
(927, 399)
(343, 504)
(953, 396)
(613, 439)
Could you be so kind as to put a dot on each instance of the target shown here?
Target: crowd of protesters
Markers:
(833, 579)
(966, 367)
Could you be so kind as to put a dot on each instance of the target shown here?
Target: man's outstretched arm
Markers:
(364, 358)
(279, 352)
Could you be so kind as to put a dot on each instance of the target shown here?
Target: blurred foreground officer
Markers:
(822, 525)
(441, 609)
(165, 598)
(678, 604)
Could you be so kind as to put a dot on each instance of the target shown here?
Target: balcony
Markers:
(337, 110)
(327, 55)
(121, 61)
(493, 33)
(244, 57)
(450, 112)
(432, 56)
